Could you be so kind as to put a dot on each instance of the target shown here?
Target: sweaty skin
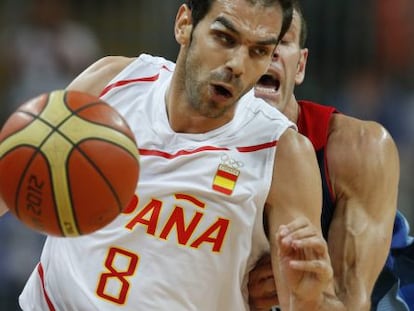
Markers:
(365, 183)
(363, 165)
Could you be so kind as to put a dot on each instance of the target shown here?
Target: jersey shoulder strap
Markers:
(313, 122)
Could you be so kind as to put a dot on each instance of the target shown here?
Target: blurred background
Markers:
(361, 61)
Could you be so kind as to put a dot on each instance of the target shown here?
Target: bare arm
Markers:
(364, 168)
(295, 194)
(98, 75)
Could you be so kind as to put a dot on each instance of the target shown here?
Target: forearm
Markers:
(335, 302)
(332, 303)
(328, 301)
(355, 268)
(309, 305)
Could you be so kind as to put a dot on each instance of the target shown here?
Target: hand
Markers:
(262, 288)
(305, 265)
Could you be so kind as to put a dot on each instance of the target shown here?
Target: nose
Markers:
(237, 61)
(276, 53)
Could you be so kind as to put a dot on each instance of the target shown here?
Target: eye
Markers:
(224, 38)
(287, 39)
(260, 51)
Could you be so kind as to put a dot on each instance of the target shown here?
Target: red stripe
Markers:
(167, 155)
(125, 82)
(163, 154)
(227, 175)
(223, 190)
(258, 147)
(42, 279)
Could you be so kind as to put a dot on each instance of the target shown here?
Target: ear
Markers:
(183, 25)
(301, 69)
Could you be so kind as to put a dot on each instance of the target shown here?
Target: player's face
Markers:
(228, 51)
(286, 70)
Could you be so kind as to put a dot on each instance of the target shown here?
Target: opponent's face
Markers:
(286, 70)
(227, 52)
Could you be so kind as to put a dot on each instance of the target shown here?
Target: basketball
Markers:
(69, 163)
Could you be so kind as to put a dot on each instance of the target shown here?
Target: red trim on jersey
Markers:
(313, 122)
(125, 82)
(42, 280)
(163, 154)
(258, 147)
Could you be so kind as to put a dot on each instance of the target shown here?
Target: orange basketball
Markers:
(68, 163)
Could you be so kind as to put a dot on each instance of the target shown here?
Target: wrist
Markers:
(310, 303)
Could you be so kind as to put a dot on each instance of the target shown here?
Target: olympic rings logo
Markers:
(226, 160)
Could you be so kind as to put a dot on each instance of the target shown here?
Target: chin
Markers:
(272, 99)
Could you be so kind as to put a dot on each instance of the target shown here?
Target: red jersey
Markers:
(313, 122)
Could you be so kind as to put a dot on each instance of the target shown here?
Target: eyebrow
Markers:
(229, 25)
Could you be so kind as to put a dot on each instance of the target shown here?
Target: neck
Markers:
(292, 110)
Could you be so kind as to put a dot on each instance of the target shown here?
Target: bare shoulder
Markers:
(362, 156)
(293, 147)
(94, 78)
(294, 141)
(342, 124)
(352, 140)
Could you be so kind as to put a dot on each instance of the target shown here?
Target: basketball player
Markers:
(209, 171)
(360, 169)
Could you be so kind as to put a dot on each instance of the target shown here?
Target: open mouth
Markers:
(222, 91)
(269, 82)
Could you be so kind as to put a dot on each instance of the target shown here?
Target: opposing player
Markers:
(209, 172)
(359, 166)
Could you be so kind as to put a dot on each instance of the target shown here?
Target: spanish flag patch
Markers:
(225, 179)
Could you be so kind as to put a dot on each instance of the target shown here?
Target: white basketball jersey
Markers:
(194, 228)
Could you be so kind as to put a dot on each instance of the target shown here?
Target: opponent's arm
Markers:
(94, 78)
(363, 165)
(261, 286)
(293, 211)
